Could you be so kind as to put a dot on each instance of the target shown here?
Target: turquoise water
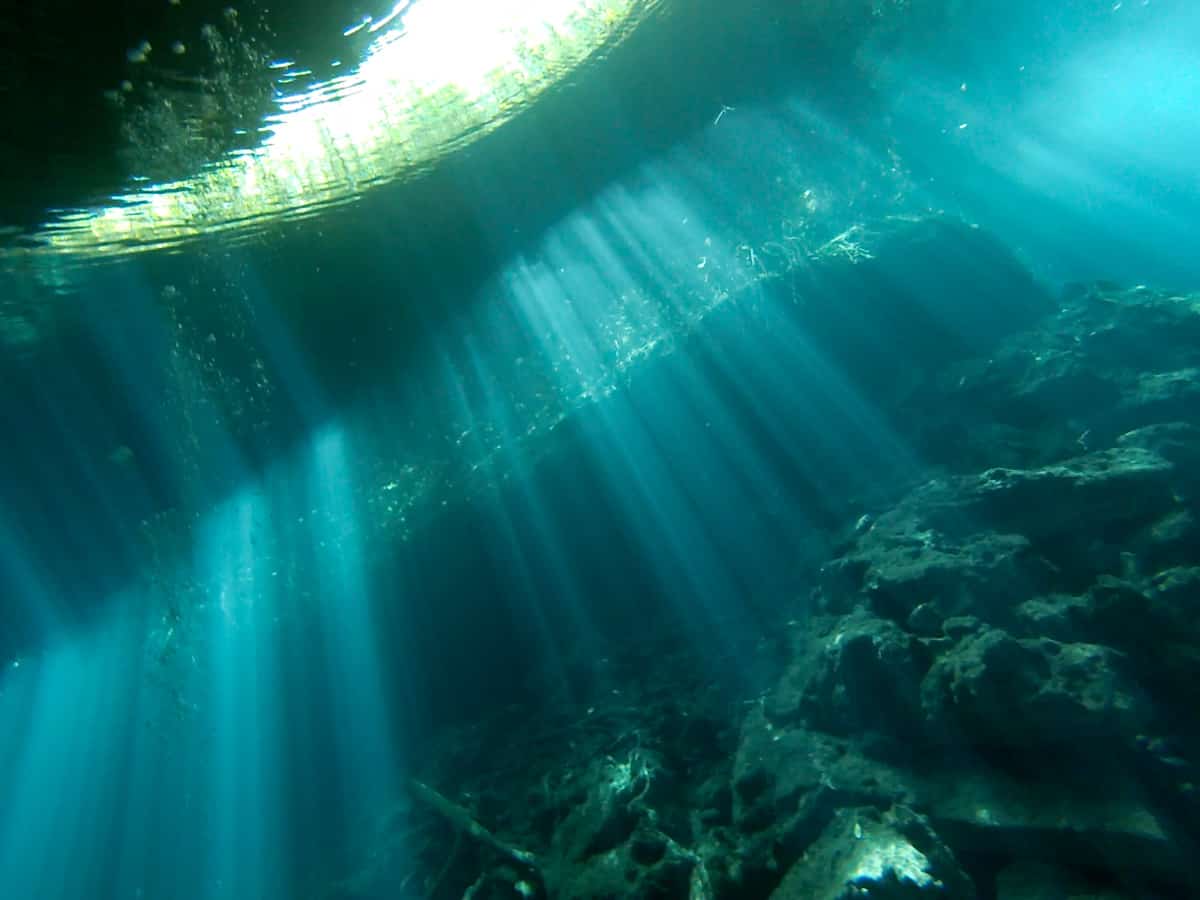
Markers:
(788, 450)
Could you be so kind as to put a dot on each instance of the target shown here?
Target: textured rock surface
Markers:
(865, 853)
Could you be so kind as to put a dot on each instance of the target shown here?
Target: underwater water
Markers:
(766, 465)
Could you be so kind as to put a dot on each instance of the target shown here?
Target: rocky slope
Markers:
(988, 688)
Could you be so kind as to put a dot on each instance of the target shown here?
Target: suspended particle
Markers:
(140, 53)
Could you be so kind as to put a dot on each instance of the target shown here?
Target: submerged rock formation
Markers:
(987, 689)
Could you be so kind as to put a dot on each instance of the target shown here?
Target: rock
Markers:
(779, 779)
(994, 689)
(1152, 621)
(605, 817)
(1163, 396)
(859, 674)
(865, 853)
(1091, 817)
(1056, 616)
(1043, 881)
(615, 841)
(958, 626)
(905, 561)
(1102, 491)
(1176, 442)
(969, 545)
(1107, 361)
(999, 681)
(925, 620)
(1044, 807)
(616, 873)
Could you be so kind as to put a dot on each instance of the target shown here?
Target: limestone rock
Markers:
(999, 690)
(892, 855)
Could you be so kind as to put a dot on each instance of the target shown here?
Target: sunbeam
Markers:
(582, 449)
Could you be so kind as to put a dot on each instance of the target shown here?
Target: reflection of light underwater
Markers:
(421, 92)
(290, 703)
